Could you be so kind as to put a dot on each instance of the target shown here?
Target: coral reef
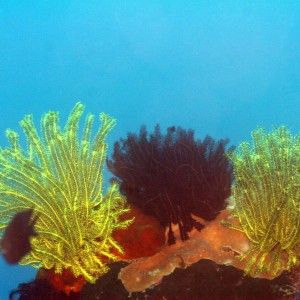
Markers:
(59, 175)
(203, 280)
(210, 243)
(267, 199)
(181, 272)
(173, 176)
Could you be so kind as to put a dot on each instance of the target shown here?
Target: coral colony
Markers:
(174, 186)
(173, 176)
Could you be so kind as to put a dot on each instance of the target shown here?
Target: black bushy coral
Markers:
(173, 176)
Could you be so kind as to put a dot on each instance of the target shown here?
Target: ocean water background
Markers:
(219, 67)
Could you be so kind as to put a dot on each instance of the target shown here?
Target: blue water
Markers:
(219, 67)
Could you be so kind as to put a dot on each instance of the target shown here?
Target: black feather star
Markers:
(173, 176)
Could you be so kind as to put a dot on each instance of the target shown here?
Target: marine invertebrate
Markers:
(144, 237)
(15, 242)
(173, 176)
(208, 243)
(60, 177)
(65, 282)
(267, 199)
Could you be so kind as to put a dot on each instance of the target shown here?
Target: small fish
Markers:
(16, 239)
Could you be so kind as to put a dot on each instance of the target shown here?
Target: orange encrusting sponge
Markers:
(144, 237)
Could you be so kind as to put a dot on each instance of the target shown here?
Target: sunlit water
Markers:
(219, 67)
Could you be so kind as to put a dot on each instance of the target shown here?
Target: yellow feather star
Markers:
(60, 176)
(267, 198)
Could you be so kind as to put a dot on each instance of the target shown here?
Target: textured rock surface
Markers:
(215, 242)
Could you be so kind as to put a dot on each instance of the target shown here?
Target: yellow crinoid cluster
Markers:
(267, 199)
(60, 176)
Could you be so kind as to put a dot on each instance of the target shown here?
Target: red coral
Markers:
(173, 176)
(65, 282)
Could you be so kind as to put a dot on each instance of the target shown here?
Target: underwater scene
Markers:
(149, 150)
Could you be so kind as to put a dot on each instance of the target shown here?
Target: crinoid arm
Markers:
(267, 198)
(60, 176)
